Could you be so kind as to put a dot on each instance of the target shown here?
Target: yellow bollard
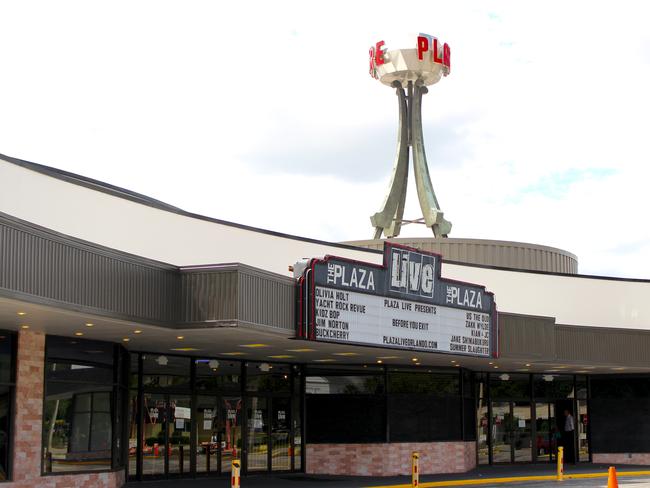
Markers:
(235, 475)
(415, 470)
(560, 463)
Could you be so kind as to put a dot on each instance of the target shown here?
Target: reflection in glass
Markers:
(77, 428)
(482, 431)
(521, 432)
(257, 434)
(180, 426)
(280, 434)
(133, 432)
(501, 433)
(208, 434)
(153, 434)
(5, 399)
(547, 434)
(231, 431)
(581, 427)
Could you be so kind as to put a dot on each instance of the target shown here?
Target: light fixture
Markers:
(504, 377)
(22, 313)
(162, 360)
(137, 331)
(184, 349)
(379, 361)
(345, 354)
(282, 356)
(213, 363)
(78, 333)
(265, 367)
(180, 338)
(453, 361)
(235, 353)
(329, 361)
(304, 349)
(387, 357)
(457, 365)
(24, 326)
(89, 324)
(414, 360)
(548, 377)
(254, 345)
(527, 365)
(490, 363)
(126, 339)
(496, 367)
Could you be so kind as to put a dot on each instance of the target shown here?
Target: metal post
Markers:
(235, 476)
(560, 463)
(415, 469)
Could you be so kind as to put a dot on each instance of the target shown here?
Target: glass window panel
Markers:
(66, 371)
(163, 371)
(6, 351)
(218, 375)
(100, 439)
(5, 404)
(581, 387)
(553, 386)
(102, 402)
(208, 434)
(80, 350)
(82, 402)
(331, 385)
(410, 418)
(582, 425)
(231, 428)
(441, 384)
(345, 418)
(509, 386)
(80, 437)
(268, 377)
(257, 434)
(132, 430)
(482, 428)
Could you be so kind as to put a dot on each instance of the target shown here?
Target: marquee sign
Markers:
(402, 304)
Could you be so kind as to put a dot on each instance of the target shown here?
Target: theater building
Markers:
(140, 341)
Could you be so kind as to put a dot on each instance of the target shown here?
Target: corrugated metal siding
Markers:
(209, 296)
(602, 346)
(504, 254)
(526, 337)
(267, 301)
(43, 266)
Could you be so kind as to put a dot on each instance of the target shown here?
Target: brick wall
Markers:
(390, 459)
(28, 424)
(622, 458)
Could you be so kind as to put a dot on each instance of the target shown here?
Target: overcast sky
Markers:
(263, 113)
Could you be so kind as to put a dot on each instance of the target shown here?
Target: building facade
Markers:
(139, 341)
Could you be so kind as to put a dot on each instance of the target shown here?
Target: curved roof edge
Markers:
(123, 193)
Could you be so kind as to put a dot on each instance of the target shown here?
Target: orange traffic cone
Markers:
(612, 482)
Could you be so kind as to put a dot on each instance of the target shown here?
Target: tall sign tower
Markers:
(409, 72)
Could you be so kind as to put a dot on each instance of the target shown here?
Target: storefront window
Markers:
(268, 377)
(7, 377)
(161, 372)
(83, 406)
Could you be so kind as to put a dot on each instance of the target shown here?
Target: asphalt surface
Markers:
(299, 480)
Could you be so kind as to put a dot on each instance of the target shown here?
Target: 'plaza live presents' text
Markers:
(343, 316)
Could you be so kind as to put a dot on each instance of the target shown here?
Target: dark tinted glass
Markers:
(218, 375)
(620, 387)
(268, 377)
(343, 384)
(63, 371)
(509, 386)
(411, 420)
(6, 351)
(80, 350)
(553, 386)
(163, 371)
(345, 418)
(440, 384)
(5, 405)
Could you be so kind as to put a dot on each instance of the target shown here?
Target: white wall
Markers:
(165, 236)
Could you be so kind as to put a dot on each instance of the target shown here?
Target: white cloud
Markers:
(237, 110)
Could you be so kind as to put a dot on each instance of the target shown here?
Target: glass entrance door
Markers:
(280, 434)
(546, 433)
(258, 438)
(511, 432)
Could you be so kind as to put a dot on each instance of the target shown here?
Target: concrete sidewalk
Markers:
(299, 480)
